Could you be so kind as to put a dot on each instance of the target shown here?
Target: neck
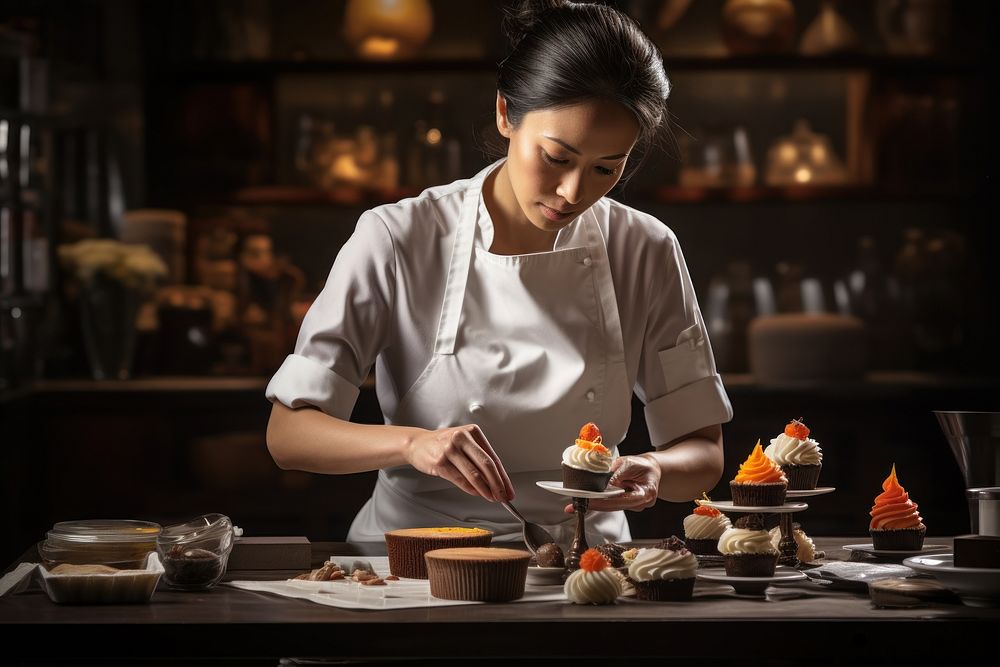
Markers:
(513, 233)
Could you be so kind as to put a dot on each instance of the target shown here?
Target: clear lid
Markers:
(206, 528)
(99, 531)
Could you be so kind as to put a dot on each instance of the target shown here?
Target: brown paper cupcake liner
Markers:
(584, 480)
(751, 565)
(905, 539)
(758, 495)
(664, 590)
(702, 547)
(406, 552)
(477, 580)
(802, 478)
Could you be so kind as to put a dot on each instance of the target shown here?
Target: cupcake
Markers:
(702, 529)
(596, 582)
(805, 548)
(406, 547)
(896, 523)
(799, 456)
(664, 572)
(747, 548)
(586, 465)
(759, 483)
(477, 574)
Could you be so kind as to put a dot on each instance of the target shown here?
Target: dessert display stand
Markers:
(581, 500)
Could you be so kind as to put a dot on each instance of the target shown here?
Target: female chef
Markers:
(505, 311)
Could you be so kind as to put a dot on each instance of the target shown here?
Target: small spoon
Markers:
(533, 534)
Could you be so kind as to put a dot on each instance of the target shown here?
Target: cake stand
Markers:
(787, 549)
(787, 546)
(581, 500)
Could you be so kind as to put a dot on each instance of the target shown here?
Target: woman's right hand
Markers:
(463, 456)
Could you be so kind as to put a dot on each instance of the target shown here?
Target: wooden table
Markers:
(828, 626)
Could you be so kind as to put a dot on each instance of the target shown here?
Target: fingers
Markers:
(484, 444)
(478, 468)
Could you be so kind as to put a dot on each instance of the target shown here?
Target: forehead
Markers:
(594, 127)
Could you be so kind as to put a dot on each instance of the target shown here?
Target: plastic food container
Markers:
(123, 544)
(121, 587)
(194, 554)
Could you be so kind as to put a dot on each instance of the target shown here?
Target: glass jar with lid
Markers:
(123, 544)
(194, 554)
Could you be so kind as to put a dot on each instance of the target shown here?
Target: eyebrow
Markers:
(573, 150)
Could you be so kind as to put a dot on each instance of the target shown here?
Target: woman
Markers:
(504, 312)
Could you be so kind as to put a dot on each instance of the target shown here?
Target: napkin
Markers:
(402, 594)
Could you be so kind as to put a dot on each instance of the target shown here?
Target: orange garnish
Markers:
(704, 510)
(758, 469)
(796, 429)
(596, 446)
(893, 509)
(593, 560)
(590, 432)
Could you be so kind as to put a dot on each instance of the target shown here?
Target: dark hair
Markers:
(563, 53)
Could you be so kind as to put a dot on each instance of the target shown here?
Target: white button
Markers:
(591, 395)
(475, 407)
(587, 261)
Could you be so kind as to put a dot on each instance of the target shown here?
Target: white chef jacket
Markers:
(383, 300)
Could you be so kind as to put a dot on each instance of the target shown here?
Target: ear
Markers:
(503, 123)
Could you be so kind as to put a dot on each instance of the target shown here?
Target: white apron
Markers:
(529, 347)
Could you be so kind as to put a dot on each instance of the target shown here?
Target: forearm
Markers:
(309, 440)
(690, 465)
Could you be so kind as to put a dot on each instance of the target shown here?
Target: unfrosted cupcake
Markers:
(703, 528)
(596, 582)
(759, 482)
(664, 573)
(586, 464)
(896, 524)
(799, 456)
(747, 548)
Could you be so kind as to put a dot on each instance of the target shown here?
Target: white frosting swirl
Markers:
(586, 459)
(806, 548)
(601, 587)
(659, 564)
(786, 450)
(701, 527)
(744, 541)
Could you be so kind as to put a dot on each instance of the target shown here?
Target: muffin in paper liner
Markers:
(477, 574)
(751, 565)
(758, 495)
(802, 477)
(406, 547)
(903, 539)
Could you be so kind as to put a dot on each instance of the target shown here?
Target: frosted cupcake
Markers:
(664, 573)
(747, 549)
(596, 582)
(805, 548)
(703, 528)
(586, 465)
(896, 524)
(799, 456)
(759, 482)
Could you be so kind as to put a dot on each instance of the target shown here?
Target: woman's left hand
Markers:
(639, 476)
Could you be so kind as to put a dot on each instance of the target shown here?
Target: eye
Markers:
(604, 171)
(551, 160)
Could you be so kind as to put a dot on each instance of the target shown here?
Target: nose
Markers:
(571, 187)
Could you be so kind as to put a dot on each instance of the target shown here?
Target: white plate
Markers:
(869, 548)
(557, 487)
(976, 586)
(805, 493)
(727, 506)
(545, 576)
(753, 585)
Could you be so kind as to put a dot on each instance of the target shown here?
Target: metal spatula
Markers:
(533, 534)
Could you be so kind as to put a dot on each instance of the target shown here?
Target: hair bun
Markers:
(522, 17)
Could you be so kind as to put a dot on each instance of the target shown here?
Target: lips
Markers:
(554, 213)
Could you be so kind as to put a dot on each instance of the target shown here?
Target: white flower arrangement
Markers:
(134, 266)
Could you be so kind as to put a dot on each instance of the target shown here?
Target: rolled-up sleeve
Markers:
(677, 378)
(345, 328)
